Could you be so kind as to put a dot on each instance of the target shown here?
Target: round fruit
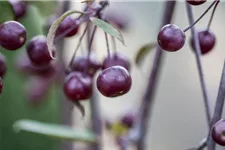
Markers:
(78, 86)
(2, 65)
(171, 38)
(207, 41)
(68, 25)
(128, 120)
(19, 8)
(12, 35)
(37, 51)
(82, 64)
(196, 2)
(114, 81)
(218, 132)
(116, 59)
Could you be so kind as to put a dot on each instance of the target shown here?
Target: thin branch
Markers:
(204, 13)
(212, 15)
(107, 44)
(202, 144)
(147, 103)
(91, 40)
(218, 108)
(199, 64)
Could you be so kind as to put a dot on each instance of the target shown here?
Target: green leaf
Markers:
(55, 131)
(6, 11)
(108, 28)
(143, 51)
(54, 27)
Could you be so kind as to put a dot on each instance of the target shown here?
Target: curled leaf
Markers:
(54, 130)
(80, 107)
(53, 29)
(143, 51)
(108, 28)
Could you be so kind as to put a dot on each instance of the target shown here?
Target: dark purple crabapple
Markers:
(196, 2)
(37, 51)
(218, 132)
(2, 65)
(171, 38)
(19, 8)
(114, 81)
(82, 64)
(207, 41)
(67, 24)
(78, 86)
(12, 35)
(116, 59)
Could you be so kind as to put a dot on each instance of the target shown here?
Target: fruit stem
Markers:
(218, 108)
(78, 45)
(142, 125)
(113, 43)
(107, 44)
(204, 13)
(212, 15)
(199, 64)
(201, 145)
(91, 40)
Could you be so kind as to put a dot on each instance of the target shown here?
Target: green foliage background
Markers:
(13, 103)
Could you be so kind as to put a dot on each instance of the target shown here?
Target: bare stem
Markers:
(91, 40)
(218, 108)
(148, 99)
(212, 15)
(107, 44)
(199, 64)
(200, 146)
(204, 13)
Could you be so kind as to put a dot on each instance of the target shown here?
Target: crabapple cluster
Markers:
(114, 79)
(171, 38)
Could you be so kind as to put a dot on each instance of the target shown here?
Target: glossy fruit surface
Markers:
(37, 51)
(85, 65)
(218, 132)
(207, 41)
(196, 2)
(171, 38)
(2, 65)
(12, 35)
(116, 59)
(114, 81)
(78, 86)
(19, 8)
(69, 26)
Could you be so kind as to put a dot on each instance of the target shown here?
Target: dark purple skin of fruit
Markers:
(196, 2)
(2, 65)
(171, 38)
(218, 132)
(19, 8)
(128, 120)
(82, 64)
(78, 86)
(207, 41)
(1, 85)
(116, 59)
(67, 24)
(12, 35)
(37, 51)
(114, 81)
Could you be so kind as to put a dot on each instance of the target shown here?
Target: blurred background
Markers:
(178, 120)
